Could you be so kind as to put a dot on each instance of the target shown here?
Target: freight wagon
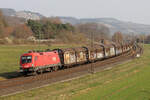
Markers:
(52, 60)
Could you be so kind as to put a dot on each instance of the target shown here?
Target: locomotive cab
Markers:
(26, 63)
(26, 59)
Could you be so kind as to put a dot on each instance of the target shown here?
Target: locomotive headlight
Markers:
(32, 65)
(21, 70)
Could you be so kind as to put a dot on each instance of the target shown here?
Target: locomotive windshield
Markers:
(26, 59)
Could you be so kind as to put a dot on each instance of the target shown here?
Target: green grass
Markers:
(127, 81)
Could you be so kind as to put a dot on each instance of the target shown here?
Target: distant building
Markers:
(27, 15)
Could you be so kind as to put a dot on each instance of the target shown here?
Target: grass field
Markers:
(127, 81)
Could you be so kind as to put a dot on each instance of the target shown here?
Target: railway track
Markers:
(12, 86)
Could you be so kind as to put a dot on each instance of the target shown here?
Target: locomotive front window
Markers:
(26, 59)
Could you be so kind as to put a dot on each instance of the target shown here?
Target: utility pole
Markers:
(143, 41)
(133, 37)
(92, 46)
(40, 41)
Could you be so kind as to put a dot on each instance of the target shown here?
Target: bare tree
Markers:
(3, 25)
(100, 31)
(22, 31)
(54, 20)
(117, 37)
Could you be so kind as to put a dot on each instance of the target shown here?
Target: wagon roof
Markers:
(95, 47)
(106, 46)
(74, 49)
(67, 49)
(117, 44)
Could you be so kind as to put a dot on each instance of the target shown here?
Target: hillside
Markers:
(8, 12)
(21, 14)
(113, 24)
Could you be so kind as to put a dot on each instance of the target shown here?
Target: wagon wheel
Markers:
(35, 73)
(49, 69)
(41, 71)
(25, 73)
(55, 68)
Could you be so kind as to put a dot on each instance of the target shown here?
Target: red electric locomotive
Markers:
(37, 61)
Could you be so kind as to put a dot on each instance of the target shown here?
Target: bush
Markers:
(6, 40)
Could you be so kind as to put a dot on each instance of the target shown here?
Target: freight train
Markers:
(53, 60)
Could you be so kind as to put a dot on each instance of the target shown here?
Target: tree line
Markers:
(53, 28)
(47, 29)
(50, 28)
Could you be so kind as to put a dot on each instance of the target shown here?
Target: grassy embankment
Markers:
(128, 81)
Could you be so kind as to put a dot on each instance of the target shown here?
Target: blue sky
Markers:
(126, 10)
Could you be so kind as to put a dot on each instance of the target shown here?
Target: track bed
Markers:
(12, 86)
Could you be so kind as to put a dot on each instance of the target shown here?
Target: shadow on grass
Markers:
(9, 75)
